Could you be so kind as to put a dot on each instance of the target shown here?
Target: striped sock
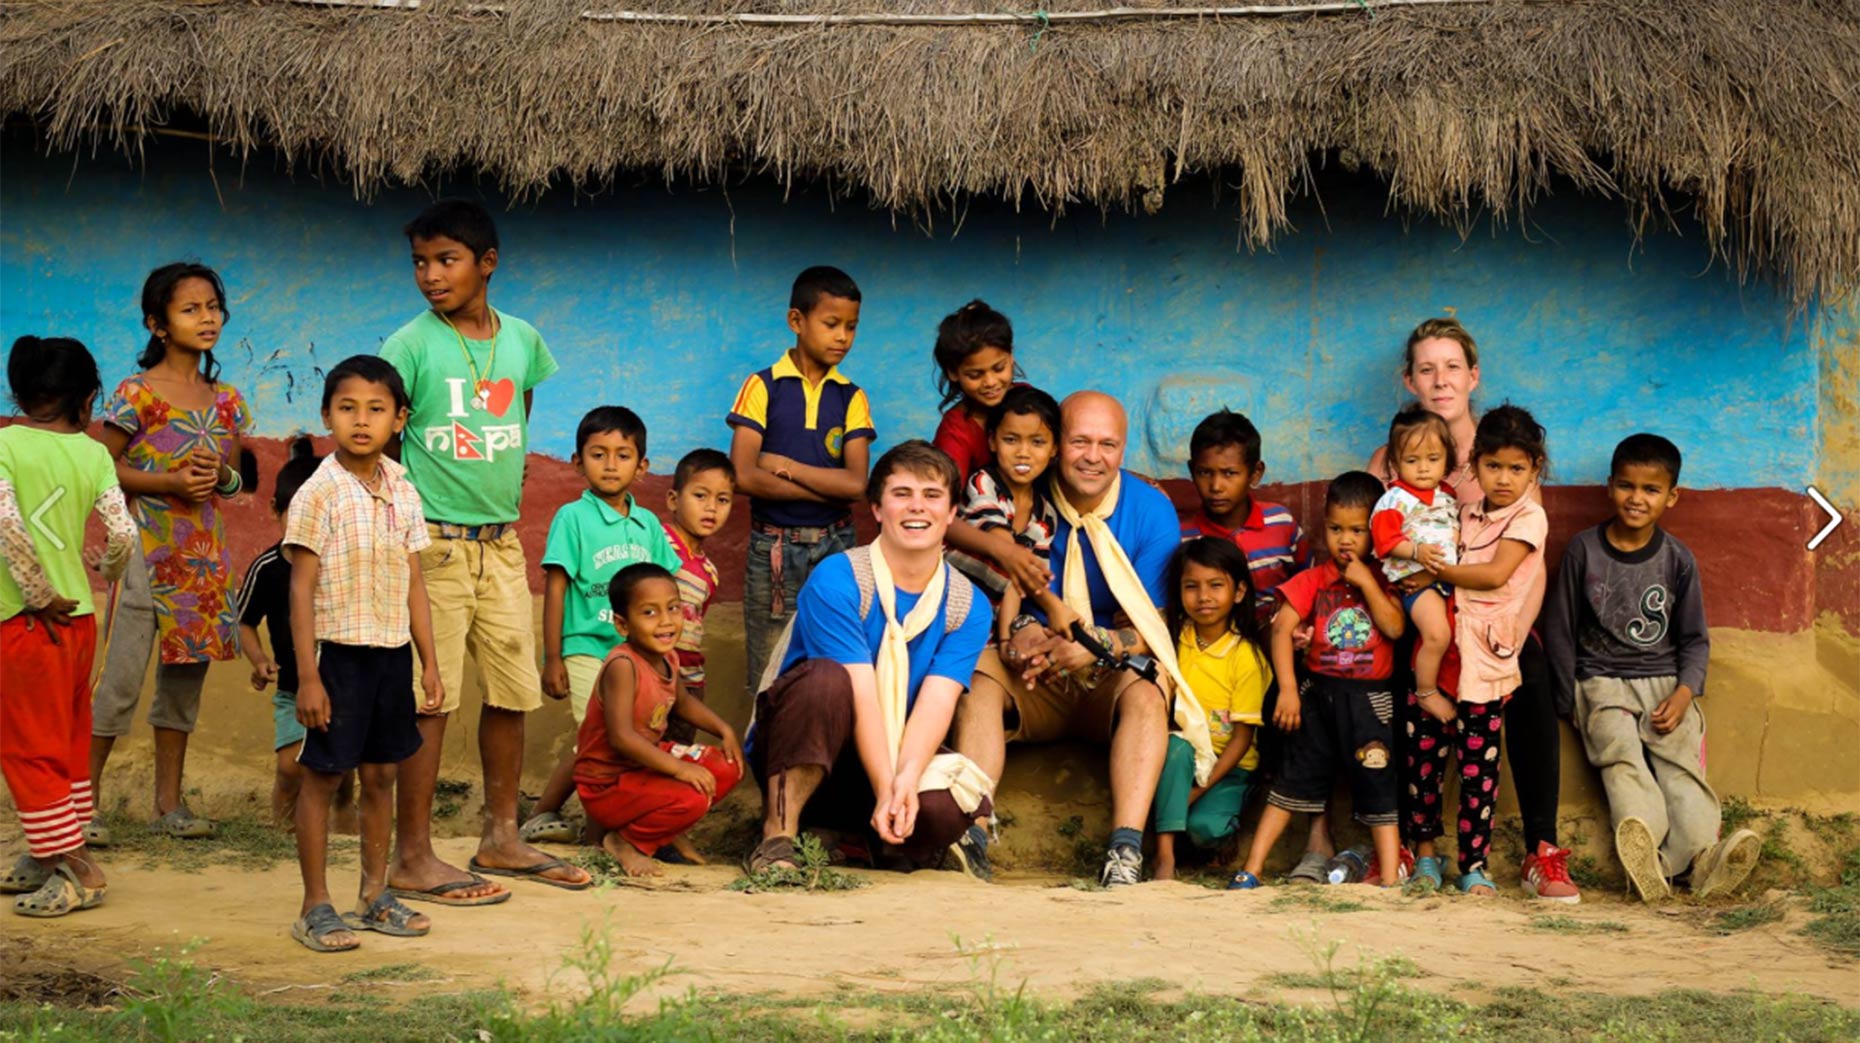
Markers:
(81, 802)
(52, 831)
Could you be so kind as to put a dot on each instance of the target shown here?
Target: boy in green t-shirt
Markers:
(470, 371)
(590, 540)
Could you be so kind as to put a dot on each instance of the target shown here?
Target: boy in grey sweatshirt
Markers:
(1624, 629)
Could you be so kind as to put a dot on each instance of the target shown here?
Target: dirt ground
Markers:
(931, 929)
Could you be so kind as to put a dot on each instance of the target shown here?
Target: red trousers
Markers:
(649, 809)
(45, 728)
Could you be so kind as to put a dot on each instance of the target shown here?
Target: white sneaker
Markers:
(1640, 856)
(1123, 866)
(1726, 864)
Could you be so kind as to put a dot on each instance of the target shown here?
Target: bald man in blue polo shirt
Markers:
(1039, 685)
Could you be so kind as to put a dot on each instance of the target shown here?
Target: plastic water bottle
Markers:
(1347, 866)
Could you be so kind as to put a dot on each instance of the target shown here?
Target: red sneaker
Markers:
(1403, 870)
(1546, 874)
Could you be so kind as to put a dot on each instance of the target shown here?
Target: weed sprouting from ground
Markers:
(815, 872)
(449, 797)
(1737, 813)
(1558, 924)
(170, 998)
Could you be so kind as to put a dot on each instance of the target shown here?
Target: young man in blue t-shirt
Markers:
(847, 736)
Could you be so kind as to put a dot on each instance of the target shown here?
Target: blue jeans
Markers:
(762, 625)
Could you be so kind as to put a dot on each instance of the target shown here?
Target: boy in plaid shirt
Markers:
(358, 611)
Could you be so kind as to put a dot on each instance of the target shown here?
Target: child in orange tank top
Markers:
(639, 790)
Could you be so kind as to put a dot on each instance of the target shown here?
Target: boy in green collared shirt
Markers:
(590, 540)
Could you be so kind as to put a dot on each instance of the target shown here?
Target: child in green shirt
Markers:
(590, 540)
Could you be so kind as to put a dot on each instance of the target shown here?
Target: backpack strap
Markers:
(861, 560)
(958, 598)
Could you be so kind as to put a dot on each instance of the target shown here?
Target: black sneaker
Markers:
(971, 854)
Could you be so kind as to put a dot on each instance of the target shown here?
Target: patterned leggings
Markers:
(1475, 734)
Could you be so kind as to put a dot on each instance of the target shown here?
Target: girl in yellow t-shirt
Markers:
(1222, 653)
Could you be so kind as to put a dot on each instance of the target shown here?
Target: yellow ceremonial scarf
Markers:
(1134, 599)
(967, 783)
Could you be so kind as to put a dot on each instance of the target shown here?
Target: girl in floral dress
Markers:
(174, 430)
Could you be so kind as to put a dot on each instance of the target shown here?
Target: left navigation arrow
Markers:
(37, 521)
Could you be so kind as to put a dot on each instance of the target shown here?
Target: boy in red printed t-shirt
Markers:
(1340, 716)
(1223, 461)
(703, 487)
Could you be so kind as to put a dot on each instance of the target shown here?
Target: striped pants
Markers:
(45, 728)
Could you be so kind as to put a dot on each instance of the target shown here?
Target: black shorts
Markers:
(1344, 725)
(371, 711)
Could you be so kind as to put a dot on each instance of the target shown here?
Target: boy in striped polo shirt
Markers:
(802, 435)
(1225, 465)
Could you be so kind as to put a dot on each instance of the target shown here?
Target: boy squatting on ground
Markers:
(470, 371)
(801, 437)
(1626, 637)
(591, 539)
(355, 531)
(1342, 716)
(703, 487)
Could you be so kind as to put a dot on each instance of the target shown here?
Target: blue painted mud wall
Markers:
(663, 299)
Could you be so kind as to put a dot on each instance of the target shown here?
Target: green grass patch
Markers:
(1558, 924)
(393, 974)
(243, 841)
(1745, 917)
(1837, 909)
(1316, 898)
(170, 997)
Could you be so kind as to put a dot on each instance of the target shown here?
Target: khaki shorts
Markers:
(583, 672)
(480, 596)
(1063, 709)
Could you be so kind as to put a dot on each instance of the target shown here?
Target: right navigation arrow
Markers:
(1835, 518)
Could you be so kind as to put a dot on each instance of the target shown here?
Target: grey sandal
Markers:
(548, 828)
(96, 834)
(26, 876)
(60, 895)
(387, 915)
(182, 824)
(318, 924)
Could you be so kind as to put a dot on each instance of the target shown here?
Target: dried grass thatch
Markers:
(1745, 111)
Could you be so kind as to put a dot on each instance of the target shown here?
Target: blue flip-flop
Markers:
(1426, 874)
(1243, 881)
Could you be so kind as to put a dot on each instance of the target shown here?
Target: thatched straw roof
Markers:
(1746, 112)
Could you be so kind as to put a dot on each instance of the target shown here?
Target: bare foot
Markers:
(521, 856)
(1163, 870)
(688, 851)
(631, 861)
